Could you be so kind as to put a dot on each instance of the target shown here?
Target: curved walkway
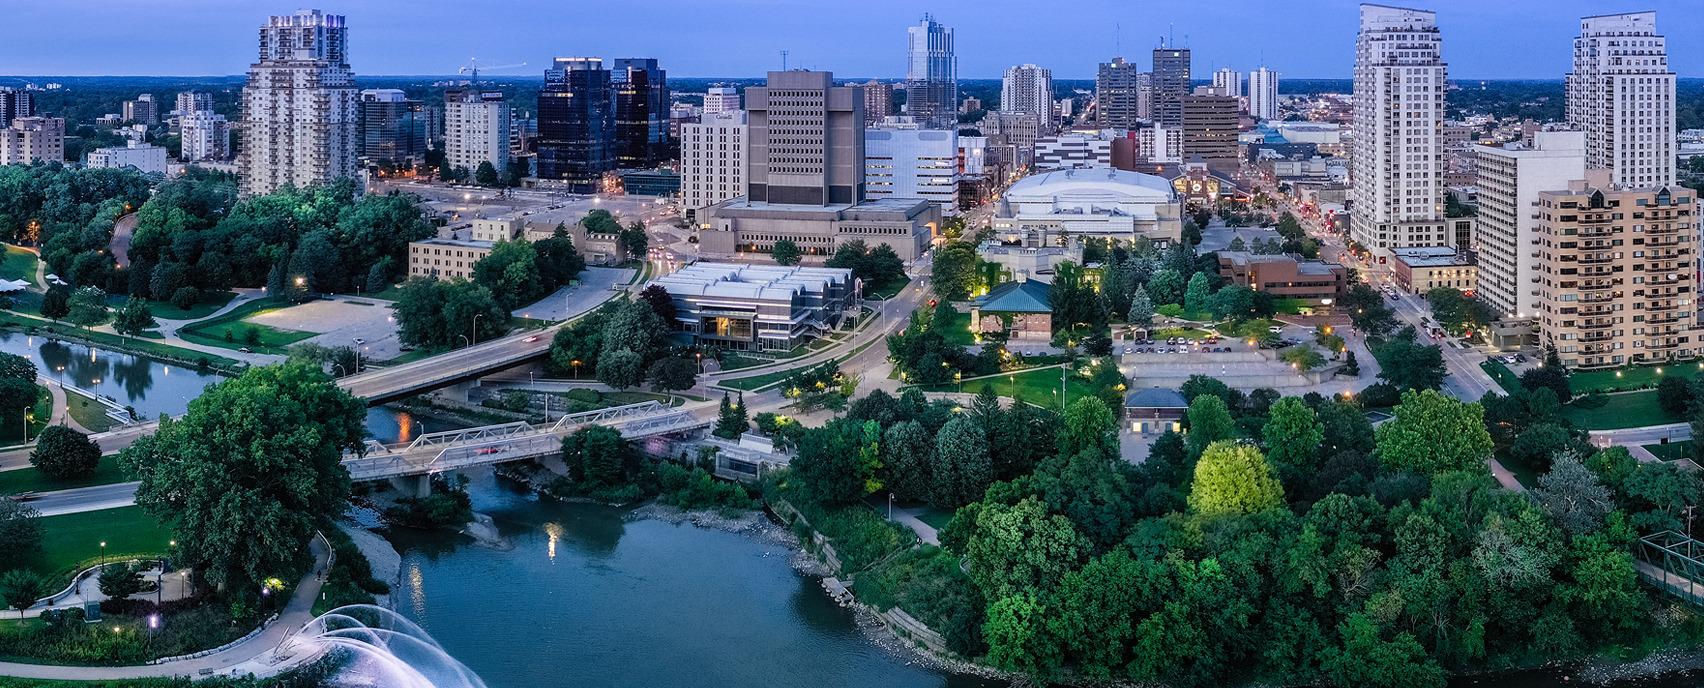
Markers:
(295, 615)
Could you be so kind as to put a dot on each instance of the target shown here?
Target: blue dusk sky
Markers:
(1483, 39)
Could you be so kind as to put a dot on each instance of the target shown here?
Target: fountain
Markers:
(374, 646)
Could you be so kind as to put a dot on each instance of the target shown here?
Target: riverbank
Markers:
(162, 353)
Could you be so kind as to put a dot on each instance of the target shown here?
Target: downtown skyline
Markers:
(403, 39)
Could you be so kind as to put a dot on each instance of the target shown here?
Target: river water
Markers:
(152, 387)
(588, 598)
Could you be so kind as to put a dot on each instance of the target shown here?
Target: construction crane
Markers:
(472, 69)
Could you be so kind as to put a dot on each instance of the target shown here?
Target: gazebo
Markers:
(1026, 305)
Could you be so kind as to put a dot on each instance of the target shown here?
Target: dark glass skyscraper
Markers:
(931, 75)
(641, 112)
(393, 128)
(1170, 85)
(576, 124)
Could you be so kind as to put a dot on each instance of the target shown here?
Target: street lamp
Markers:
(576, 363)
(464, 340)
(476, 317)
(103, 551)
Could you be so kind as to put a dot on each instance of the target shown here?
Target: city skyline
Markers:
(400, 39)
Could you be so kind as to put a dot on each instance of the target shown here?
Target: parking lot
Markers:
(341, 321)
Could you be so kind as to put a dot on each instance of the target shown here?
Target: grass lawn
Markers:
(18, 264)
(32, 480)
(1184, 332)
(1666, 452)
(886, 290)
(208, 304)
(1524, 474)
(1040, 387)
(1632, 377)
(391, 293)
(748, 384)
(230, 331)
(1505, 378)
(88, 413)
(1292, 306)
(1629, 410)
(11, 426)
(74, 540)
(957, 330)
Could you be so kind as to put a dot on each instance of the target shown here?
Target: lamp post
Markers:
(464, 340)
(103, 552)
(576, 363)
(476, 317)
(26, 415)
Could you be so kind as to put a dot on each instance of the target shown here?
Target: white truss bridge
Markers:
(455, 449)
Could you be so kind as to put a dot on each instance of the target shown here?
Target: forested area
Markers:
(1282, 539)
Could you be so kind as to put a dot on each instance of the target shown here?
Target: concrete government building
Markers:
(804, 178)
(757, 307)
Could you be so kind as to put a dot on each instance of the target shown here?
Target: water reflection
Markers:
(150, 387)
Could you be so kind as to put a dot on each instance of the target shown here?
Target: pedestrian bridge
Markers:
(1671, 561)
(456, 449)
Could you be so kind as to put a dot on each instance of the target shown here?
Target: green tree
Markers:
(1209, 422)
(835, 461)
(20, 588)
(1141, 308)
(1408, 364)
(64, 454)
(960, 470)
(621, 369)
(596, 456)
(731, 421)
(20, 532)
(275, 437)
(133, 318)
(1020, 549)
(1196, 296)
(1233, 479)
(56, 303)
(672, 374)
(1089, 424)
(1293, 437)
(954, 273)
(906, 454)
(1603, 586)
(1365, 658)
(1166, 286)
(511, 272)
(1016, 631)
(486, 174)
(88, 306)
(785, 252)
(1367, 309)
(15, 367)
(1433, 433)
(118, 581)
(445, 313)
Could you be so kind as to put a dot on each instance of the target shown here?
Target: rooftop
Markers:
(746, 281)
(1155, 397)
(1028, 296)
(1088, 181)
(1431, 257)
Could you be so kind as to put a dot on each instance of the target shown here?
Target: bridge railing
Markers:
(1676, 556)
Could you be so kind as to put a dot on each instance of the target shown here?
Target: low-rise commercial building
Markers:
(1285, 276)
(740, 226)
(1420, 269)
(1051, 208)
(1155, 410)
(758, 307)
(143, 157)
(1616, 273)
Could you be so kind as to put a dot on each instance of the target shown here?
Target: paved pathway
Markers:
(295, 614)
(1505, 478)
(174, 586)
(907, 516)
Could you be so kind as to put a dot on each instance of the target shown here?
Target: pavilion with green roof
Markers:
(1024, 306)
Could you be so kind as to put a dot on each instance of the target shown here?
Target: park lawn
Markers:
(210, 303)
(106, 472)
(1292, 306)
(268, 339)
(754, 382)
(18, 264)
(1667, 452)
(1184, 332)
(1628, 410)
(88, 413)
(73, 541)
(956, 331)
(1524, 474)
(391, 293)
(1039, 387)
(887, 289)
(1631, 377)
(1505, 378)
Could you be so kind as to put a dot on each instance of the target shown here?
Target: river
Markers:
(588, 598)
(152, 387)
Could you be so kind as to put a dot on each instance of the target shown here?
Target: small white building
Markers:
(1053, 208)
(144, 157)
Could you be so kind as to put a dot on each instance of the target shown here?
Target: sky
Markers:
(1483, 39)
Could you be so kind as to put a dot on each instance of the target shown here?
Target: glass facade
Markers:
(576, 124)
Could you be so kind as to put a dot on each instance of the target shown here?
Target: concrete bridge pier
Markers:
(554, 464)
(416, 486)
(458, 391)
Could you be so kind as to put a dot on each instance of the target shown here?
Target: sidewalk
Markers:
(294, 615)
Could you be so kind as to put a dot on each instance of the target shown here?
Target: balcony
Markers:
(1596, 337)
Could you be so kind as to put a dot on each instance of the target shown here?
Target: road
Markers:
(1650, 434)
(95, 498)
